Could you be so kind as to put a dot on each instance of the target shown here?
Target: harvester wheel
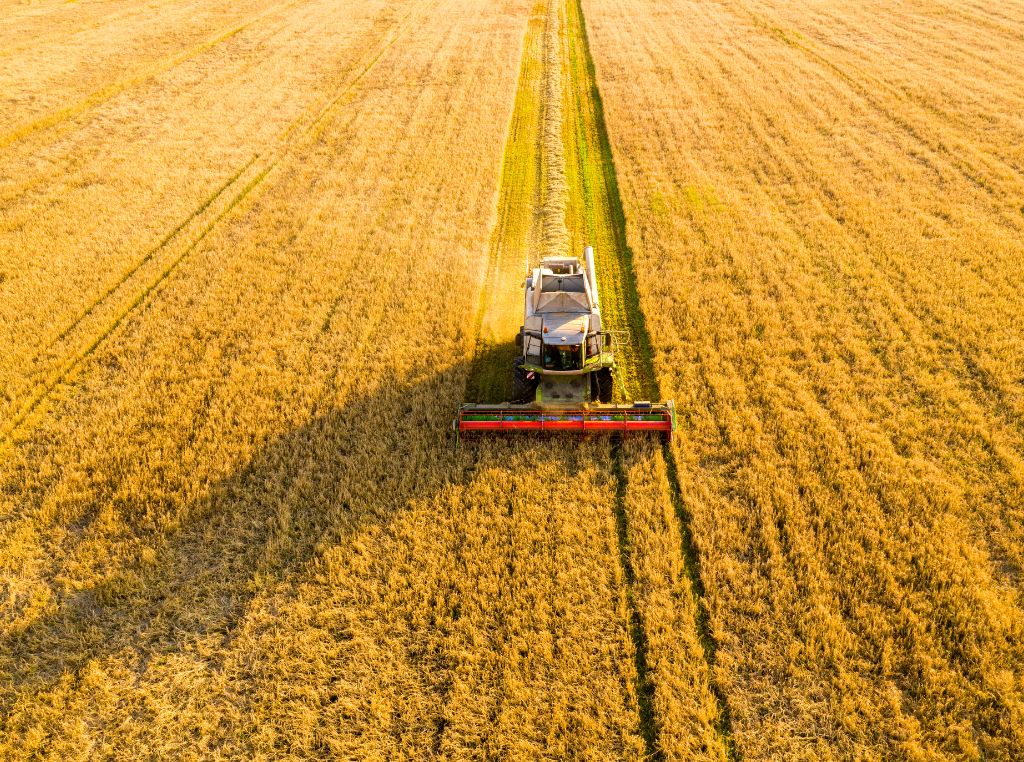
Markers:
(524, 388)
(602, 385)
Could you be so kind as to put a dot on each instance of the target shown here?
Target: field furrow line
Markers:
(306, 124)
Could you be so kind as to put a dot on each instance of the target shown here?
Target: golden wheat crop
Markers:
(253, 255)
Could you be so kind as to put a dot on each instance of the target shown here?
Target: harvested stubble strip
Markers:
(243, 528)
(554, 189)
(517, 234)
(848, 450)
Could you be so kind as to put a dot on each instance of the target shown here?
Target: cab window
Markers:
(562, 357)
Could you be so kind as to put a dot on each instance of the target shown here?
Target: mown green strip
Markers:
(597, 215)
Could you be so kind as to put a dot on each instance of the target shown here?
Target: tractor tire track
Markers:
(261, 165)
(71, 155)
(278, 145)
(533, 197)
(85, 25)
(8, 433)
(147, 257)
(599, 206)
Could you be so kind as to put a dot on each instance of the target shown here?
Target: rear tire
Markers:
(524, 389)
(602, 385)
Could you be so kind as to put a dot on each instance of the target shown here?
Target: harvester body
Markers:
(567, 360)
(563, 378)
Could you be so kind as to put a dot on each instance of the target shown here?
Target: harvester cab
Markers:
(563, 378)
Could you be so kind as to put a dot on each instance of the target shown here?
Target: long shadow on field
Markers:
(315, 484)
(347, 471)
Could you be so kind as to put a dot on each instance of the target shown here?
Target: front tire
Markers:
(524, 388)
(602, 385)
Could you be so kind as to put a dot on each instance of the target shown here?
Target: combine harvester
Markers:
(564, 378)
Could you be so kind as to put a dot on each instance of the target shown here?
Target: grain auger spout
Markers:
(564, 376)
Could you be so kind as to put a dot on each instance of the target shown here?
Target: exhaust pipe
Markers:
(588, 255)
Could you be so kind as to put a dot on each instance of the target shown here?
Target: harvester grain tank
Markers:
(563, 378)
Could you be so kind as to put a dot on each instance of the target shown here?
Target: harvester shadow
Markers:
(308, 488)
(313, 488)
(490, 373)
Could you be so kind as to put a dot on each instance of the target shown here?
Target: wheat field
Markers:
(253, 255)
